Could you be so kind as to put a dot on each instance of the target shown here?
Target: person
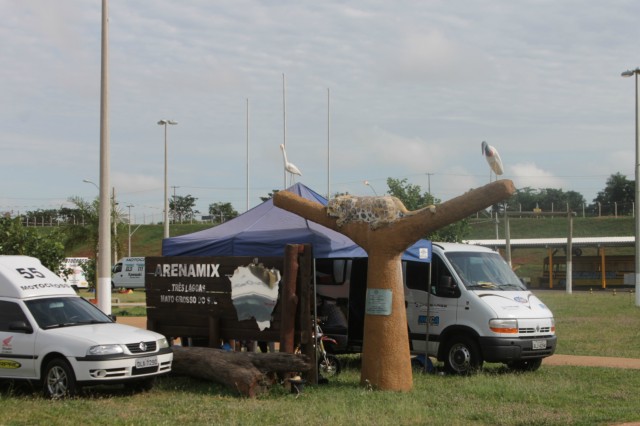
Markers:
(335, 318)
(267, 346)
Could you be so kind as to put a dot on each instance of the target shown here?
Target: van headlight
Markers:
(504, 326)
(163, 343)
(105, 350)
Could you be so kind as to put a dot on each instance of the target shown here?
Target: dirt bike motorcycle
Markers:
(328, 363)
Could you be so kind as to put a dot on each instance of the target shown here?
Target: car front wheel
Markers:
(462, 356)
(59, 380)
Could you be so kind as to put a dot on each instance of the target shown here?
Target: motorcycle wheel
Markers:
(329, 366)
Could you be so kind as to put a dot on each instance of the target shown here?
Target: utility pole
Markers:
(129, 242)
(429, 183)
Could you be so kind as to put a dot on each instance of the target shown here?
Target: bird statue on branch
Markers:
(289, 167)
(493, 158)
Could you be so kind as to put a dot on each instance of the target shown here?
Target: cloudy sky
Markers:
(373, 89)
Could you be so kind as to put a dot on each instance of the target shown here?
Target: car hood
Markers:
(104, 334)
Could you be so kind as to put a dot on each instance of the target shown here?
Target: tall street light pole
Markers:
(166, 186)
(630, 73)
(103, 291)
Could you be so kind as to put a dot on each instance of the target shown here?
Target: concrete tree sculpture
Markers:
(385, 229)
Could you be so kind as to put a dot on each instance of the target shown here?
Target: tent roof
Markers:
(265, 230)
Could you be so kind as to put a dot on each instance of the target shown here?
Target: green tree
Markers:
(48, 246)
(181, 208)
(548, 199)
(525, 199)
(222, 211)
(42, 217)
(619, 191)
(558, 200)
(410, 195)
(269, 195)
(87, 230)
(413, 199)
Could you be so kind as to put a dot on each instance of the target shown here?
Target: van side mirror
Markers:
(446, 286)
(20, 327)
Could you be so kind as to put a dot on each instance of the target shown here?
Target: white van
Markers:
(54, 337)
(478, 310)
(128, 273)
(72, 272)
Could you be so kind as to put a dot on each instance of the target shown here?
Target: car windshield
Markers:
(484, 271)
(55, 312)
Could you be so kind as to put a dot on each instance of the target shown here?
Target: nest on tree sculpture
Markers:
(377, 211)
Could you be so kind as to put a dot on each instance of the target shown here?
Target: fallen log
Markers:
(247, 373)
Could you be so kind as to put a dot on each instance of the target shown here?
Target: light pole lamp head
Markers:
(164, 122)
(629, 73)
(91, 182)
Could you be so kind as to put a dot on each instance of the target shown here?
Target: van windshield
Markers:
(484, 271)
(55, 312)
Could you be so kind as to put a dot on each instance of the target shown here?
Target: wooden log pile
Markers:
(248, 373)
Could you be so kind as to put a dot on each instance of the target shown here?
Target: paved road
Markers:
(587, 361)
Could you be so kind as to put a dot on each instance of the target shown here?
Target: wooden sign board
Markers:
(187, 295)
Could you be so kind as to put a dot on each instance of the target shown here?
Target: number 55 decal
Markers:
(30, 273)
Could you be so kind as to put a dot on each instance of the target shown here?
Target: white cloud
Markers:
(530, 175)
(429, 56)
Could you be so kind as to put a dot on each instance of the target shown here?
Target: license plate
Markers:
(538, 344)
(151, 361)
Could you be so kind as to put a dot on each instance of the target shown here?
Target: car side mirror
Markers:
(20, 327)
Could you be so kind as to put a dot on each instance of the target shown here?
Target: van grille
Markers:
(135, 348)
(531, 330)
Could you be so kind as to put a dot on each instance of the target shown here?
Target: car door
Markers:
(17, 340)
(442, 303)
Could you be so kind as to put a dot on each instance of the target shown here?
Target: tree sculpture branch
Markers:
(418, 223)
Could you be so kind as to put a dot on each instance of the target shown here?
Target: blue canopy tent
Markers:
(266, 229)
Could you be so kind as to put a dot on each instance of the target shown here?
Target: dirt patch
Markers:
(592, 361)
(140, 322)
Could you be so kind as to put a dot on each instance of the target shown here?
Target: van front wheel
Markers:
(58, 380)
(462, 356)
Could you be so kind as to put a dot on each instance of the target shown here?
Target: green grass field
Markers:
(550, 396)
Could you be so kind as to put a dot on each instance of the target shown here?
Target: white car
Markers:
(51, 335)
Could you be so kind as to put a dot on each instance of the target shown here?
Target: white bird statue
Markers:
(289, 167)
(493, 158)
